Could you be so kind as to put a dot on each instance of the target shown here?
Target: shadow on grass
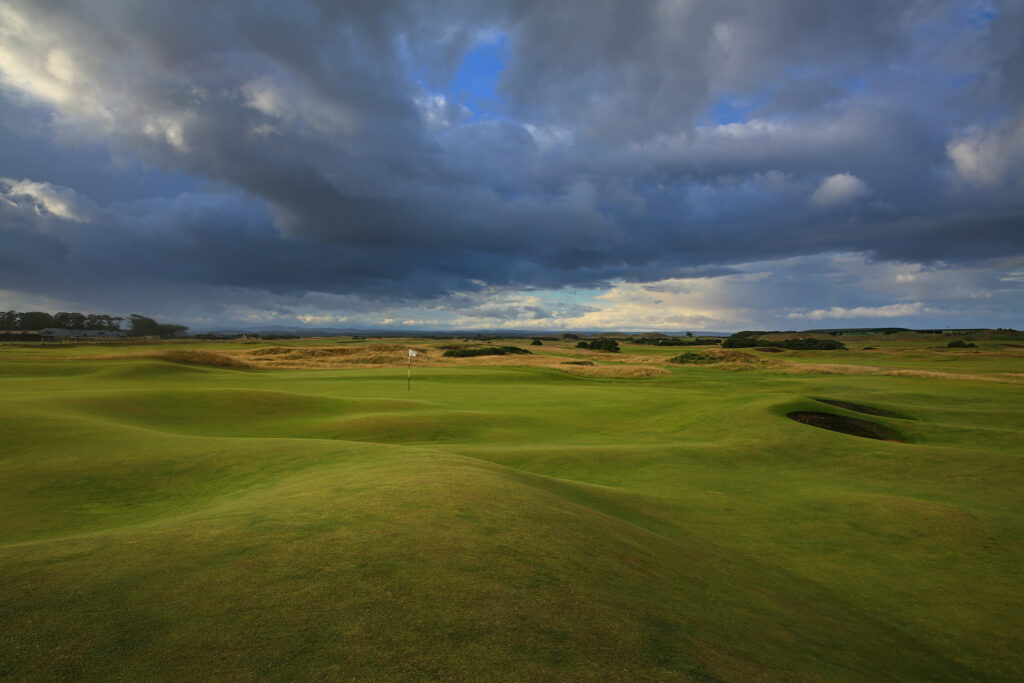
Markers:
(861, 408)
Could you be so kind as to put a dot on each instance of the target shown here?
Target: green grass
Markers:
(166, 521)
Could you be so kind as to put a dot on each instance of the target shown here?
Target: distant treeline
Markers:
(138, 325)
(37, 320)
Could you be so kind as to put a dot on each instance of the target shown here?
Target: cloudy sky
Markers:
(661, 164)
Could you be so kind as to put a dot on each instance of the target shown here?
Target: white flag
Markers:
(412, 354)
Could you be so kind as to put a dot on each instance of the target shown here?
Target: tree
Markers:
(69, 321)
(102, 322)
(689, 334)
(536, 342)
(167, 330)
(35, 320)
(141, 326)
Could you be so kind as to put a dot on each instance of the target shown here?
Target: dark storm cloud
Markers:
(312, 147)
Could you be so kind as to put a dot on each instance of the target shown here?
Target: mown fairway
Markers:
(168, 520)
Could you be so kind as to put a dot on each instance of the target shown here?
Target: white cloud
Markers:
(282, 98)
(673, 304)
(890, 311)
(548, 137)
(986, 156)
(839, 189)
(439, 113)
(36, 60)
(54, 65)
(61, 202)
(322, 319)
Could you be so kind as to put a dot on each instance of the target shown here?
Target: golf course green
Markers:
(179, 511)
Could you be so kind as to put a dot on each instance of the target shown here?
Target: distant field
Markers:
(290, 510)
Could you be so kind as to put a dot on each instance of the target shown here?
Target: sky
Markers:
(669, 165)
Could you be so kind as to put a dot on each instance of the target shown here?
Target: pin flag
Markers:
(408, 378)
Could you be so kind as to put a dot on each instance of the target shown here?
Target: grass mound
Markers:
(200, 357)
(861, 408)
(217, 411)
(463, 567)
(846, 425)
(212, 359)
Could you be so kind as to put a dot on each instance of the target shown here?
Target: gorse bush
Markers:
(709, 357)
(676, 341)
(807, 344)
(735, 342)
(959, 344)
(694, 358)
(485, 351)
(609, 345)
(746, 340)
(743, 340)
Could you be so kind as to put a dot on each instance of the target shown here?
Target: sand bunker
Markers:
(846, 425)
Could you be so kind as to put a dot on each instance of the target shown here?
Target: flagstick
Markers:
(408, 376)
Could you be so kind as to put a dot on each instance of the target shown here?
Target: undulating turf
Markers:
(165, 519)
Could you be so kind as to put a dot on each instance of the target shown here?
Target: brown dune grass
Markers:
(604, 364)
(791, 368)
(612, 371)
(326, 357)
